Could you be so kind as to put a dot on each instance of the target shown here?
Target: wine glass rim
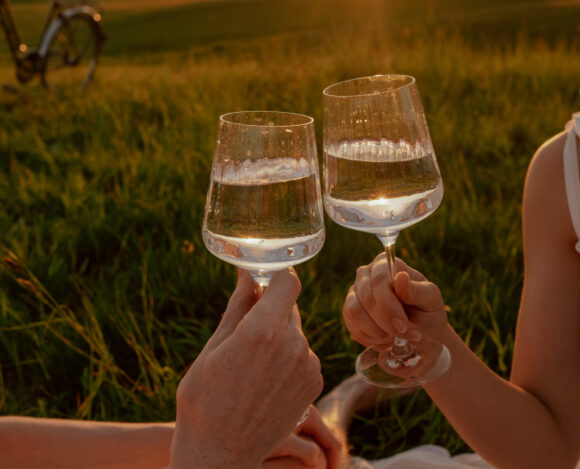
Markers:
(410, 82)
(306, 119)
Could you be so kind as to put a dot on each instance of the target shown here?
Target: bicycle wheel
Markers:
(69, 63)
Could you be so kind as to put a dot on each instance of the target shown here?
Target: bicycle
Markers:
(68, 49)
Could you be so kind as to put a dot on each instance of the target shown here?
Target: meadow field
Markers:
(106, 289)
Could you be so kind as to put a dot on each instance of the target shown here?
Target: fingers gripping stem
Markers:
(401, 353)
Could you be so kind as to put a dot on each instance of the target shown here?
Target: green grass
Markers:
(102, 195)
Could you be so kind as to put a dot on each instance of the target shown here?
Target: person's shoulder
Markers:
(546, 165)
(545, 176)
(545, 204)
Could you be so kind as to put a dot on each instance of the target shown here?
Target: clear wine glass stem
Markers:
(388, 241)
(261, 278)
(401, 353)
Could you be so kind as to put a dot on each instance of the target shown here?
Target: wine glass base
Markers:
(377, 365)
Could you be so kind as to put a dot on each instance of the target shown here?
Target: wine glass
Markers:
(381, 176)
(264, 206)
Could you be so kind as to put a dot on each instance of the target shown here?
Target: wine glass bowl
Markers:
(380, 172)
(264, 208)
(381, 176)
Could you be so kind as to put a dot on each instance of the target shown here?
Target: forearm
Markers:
(29, 443)
(506, 425)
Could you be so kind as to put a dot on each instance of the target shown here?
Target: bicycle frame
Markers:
(9, 27)
(28, 60)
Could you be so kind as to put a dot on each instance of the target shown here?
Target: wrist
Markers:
(445, 335)
(198, 450)
(449, 337)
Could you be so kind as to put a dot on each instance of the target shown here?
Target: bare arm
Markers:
(533, 420)
(547, 349)
(30, 443)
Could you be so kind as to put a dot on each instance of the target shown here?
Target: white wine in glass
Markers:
(381, 176)
(264, 206)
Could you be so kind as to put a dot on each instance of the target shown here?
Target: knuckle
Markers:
(361, 272)
(300, 343)
(314, 363)
(296, 284)
(364, 294)
(379, 277)
(184, 394)
(350, 300)
(295, 316)
(304, 342)
(303, 351)
(348, 313)
(259, 336)
(433, 289)
(317, 385)
(181, 393)
(297, 348)
(352, 313)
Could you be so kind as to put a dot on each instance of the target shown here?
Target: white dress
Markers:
(436, 457)
(571, 177)
(424, 457)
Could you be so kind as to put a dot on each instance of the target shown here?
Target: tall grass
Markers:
(106, 289)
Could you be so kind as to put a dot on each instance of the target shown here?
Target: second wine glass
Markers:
(264, 208)
(381, 176)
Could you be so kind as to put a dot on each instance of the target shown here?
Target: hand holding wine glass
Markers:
(241, 397)
(381, 176)
(264, 205)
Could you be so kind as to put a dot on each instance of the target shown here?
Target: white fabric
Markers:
(424, 457)
(571, 175)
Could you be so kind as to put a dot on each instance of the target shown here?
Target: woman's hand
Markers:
(251, 383)
(410, 307)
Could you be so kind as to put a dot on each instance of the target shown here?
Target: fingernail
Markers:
(414, 335)
(400, 325)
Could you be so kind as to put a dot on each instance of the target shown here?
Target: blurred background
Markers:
(106, 289)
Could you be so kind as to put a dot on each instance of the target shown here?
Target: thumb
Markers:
(243, 298)
(423, 295)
